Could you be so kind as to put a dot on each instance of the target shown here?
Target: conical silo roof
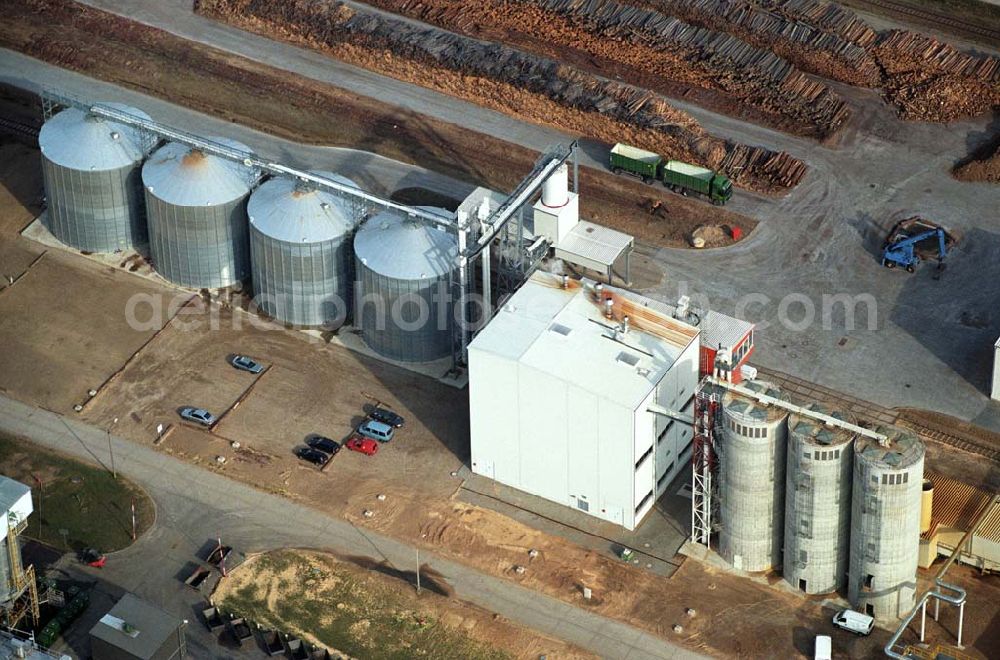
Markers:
(78, 140)
(183, 176)
(405, 249)
(293, 211)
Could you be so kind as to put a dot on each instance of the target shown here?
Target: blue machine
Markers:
(900, 250)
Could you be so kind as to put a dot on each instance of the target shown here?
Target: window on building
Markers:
(663, 477)
(642, 459)
(644, 501)
(663, 433)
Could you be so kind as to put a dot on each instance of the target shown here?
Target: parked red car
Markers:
(366, 446)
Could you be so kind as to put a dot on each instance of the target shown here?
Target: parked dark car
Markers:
(314, 456)
(386, 417)
(324, 444)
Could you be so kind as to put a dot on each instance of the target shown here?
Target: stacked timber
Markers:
(827, 16)
(811, 48)
(677, 54)
(518, 83)
(928, 80)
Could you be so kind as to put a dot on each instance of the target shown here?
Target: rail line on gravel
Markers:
(934, 17)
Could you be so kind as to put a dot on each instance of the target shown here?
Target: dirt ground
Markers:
(981, 626)
(377, 613)
(64, 330)
(309, 387)
(293, 107)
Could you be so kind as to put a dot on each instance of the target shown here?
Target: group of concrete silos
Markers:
(829, 508)
(209, 225)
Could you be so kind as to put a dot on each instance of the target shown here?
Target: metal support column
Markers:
(961, 620)
(461, 296)
(487, 284)
(923, 619)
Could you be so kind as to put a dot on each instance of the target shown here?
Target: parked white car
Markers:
(855, 622)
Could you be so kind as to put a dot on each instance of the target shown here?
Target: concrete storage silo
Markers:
(196, 207)
(93, 187)
(752, 480)
(885, 523)
(404, 271)
(817, 504)
(300, 251)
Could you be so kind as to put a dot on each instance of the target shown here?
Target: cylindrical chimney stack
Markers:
(608, 307)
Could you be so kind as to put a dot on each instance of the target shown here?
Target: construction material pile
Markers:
(928, 80)
(657, 51)
(814, 48)
(984, 167)
(514, 82)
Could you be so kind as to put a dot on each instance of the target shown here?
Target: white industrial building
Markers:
(561, 383)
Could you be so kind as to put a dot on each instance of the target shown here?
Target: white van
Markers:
(824, 648)
(855, 622)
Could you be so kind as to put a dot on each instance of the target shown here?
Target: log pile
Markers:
(809, 47)
(928, 80)
(521, 84)
(649, 44)
(827, 16)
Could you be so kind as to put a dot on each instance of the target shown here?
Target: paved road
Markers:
(930, 344)
(195, 505)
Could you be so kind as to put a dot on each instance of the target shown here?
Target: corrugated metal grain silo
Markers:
(404, 272)
(300, 251)
(196, 206)
(90, 168)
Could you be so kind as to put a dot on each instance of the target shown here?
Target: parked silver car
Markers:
(246, 364)
(198, 416)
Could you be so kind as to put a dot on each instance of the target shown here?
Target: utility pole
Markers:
(111, 451)
(418, 569)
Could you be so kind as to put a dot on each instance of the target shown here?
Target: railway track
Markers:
(953, 440)
(956, 24)
(18, 129)
(803, 391)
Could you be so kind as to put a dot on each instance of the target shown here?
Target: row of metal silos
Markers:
(209, 225)
(827, 507)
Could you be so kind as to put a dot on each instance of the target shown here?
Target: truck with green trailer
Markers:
(674, 174)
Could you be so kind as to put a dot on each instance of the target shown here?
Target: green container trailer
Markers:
(684, 176)
(676, 175)
(637, 162)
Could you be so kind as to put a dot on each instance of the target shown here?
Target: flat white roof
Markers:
(593, 245)
(564, 333)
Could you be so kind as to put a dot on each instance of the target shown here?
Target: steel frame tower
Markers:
(22, 584)
(703, 464)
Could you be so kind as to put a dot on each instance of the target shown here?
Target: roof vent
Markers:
(560, 329)
(628, 358)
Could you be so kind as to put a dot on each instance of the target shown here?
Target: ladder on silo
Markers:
(703, 465)
(22, 583)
